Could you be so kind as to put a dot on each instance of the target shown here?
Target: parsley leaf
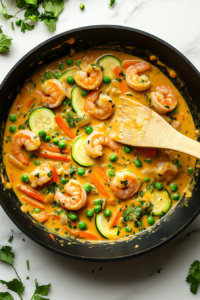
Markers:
(7, 256)
(49, 21)
(53, 7)
(14, 285)
(194, 276)
(11, 239)
(42, 289)
(6, 296)
(112, 2)
(32, 13)
(5, 42)
(25, 26)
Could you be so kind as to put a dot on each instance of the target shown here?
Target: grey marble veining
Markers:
(160, 274)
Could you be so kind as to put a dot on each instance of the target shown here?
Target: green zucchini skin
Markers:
(37, 117)
(67, 73)
(79, 152)
(103, 228)
(78, 102)
(108, 62)
(161, 201)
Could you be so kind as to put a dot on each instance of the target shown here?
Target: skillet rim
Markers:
(76, 30)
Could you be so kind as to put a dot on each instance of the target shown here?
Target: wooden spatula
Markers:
(136, 125)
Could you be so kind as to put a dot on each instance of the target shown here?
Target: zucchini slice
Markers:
(41, 118)
(103, 227)
(161, 201)
(107, 63)
(78, 101)
(79, 152)
(63, 79)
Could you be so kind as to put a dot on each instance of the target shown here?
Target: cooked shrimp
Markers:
(52, 93)
(164, 171)
(75, 196)
(138, 83)
(41, 175)
(125, 184)
(99, 106)
(27, 139)
(96, 141)
(89, 79)
(164, 99)
(176, 124)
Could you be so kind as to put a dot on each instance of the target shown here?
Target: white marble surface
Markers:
(175, 21)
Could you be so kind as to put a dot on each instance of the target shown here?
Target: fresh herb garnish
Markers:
(194, 276)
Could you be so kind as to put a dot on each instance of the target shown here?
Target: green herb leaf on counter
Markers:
(42, 290)
(112, 2)
(194, 276)
(6, 296)
(14, 285)
(7, 256)
(10, 239)
(5, 42)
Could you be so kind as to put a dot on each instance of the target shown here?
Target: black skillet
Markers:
(133, 42)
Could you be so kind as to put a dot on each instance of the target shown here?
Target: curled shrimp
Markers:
(164, 99)
(96, 141)
(75, 196)
(99, 106)
(125, 184)
(164, 171)
(138, 83)
(52, 93)
(27, 139)
(41, 175)
(89, 79)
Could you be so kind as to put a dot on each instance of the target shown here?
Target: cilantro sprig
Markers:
(194, 276)
(5, 42)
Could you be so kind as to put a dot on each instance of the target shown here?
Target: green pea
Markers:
(56, 74)
(82, 6)
(138, 163)
(47, 138)
(81, 172)
(148, 160)
(13, 128)
(83, 93)
(173, 187)
(88, 129)
(61, 67)
(69, 61)
(109, 165)
(37, 210)
(70, 80)
(31, 155)
(44, 190)
(78, 63)
(113, 157)
(42, 79)
(128, 229)
(107, 213)
(42, 133)
(73, 217)
(146, 179)
(106, 79)
(18, 22)
(62, 144)
(64, 103)
(63, 180)
(47, 75)
(89, 213)
(13, 118)
(25, 178)
(127, 149)
(97, 201)
(82, 225)
(159, 185)
(111, 173)
(190, 170)
(139, 199)
(97, 208)
(87, 187)
(151, 220)
(36, 162)
(179, 164)
(56, 141)
(176, 196)
(139, 223)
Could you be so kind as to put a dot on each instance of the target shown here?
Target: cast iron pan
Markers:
(134, 42)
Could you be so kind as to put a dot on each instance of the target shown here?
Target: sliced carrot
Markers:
(117, 71)
(31, 192)
(55, 149)
(41, 217)
(98, 184)
(56, 156)
(52, 236)
(123, 88)
(82, 234)
(101, 173)
(56, 217)
(55, 174)
(29, 103)
(33, 202)
(116, 216)
(129, 63)
(64, 126)
(149, 152)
